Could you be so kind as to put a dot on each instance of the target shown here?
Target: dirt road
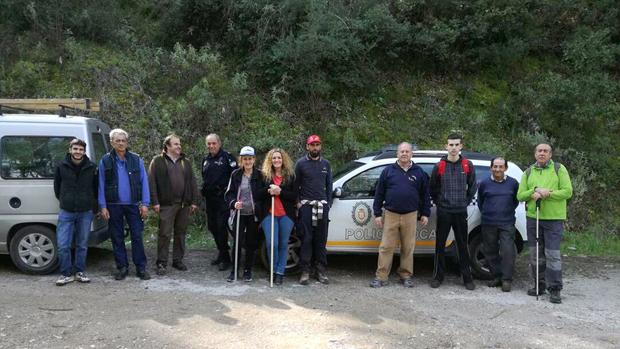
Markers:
(198, 309)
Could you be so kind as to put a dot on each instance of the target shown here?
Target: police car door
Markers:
(352, 228)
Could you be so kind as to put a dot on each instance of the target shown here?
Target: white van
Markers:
(30, 147)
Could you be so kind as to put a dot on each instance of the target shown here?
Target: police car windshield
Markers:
(346, 169)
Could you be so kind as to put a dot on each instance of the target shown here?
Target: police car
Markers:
(352, 228)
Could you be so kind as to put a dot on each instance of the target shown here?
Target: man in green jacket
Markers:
(174, 195)
(550, 183)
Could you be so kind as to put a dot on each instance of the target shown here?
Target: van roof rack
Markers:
(82, 106)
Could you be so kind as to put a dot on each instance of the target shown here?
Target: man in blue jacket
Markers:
(403, 191)
(497, 200)
(313, 179)
(124, 195)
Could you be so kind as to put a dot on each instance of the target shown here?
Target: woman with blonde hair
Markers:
(279, 177)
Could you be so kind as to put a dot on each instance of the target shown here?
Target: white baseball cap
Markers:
(247, 151)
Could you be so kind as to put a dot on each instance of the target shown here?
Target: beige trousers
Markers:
(397, 227)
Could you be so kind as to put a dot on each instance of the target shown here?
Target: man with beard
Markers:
(75, 187)
(313, 179)
(124, 196)
(217, 166)
(453, 186)
(174, 195)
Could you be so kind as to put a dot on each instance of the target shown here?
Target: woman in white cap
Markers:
(241, 195)
(279, 178)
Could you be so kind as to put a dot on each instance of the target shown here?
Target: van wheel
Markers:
(33, 249)
(477, 261)
(292, 263)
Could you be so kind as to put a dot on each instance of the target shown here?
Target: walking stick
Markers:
(537, 218)
(273, 212)
(237, 243)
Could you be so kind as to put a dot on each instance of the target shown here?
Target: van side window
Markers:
(31, 157)
(99, 146)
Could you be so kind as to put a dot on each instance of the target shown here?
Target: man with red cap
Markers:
(313, 179)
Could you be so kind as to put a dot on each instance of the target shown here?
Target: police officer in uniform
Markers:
(217, 166)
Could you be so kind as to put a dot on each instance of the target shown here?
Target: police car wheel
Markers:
(33, 249)
(292, 263)
(479, 266)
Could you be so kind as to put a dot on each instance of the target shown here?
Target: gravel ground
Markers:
(198, 309)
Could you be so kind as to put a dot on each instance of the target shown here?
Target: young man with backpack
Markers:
(453, 186)
(548, 182)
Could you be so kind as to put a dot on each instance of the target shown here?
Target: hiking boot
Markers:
(143, 275)
(376, 283)
(231, 276)
(555, 296)
(81, 277)
(506, 285)
(121, 274)
(408, 282)
(305, 278)
(161, 269)
(278, 279)
(179, 265)
(435, 283)
(532, 291)
(494, 283)
(322, 277)
(63, 280)
(470, 286)
(247, 275)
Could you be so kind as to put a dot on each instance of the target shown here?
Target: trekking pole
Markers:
(537, 218)
(273, 212)
(237, 243)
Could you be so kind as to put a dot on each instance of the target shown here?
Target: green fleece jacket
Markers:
(553, 207)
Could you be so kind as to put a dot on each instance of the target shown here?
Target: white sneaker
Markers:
(63, 280)
(81, 277)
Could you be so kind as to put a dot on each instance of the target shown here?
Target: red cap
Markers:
(313, 139)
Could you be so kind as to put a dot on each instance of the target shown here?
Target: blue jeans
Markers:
(116, 225)
(72, 224)
(281, 232)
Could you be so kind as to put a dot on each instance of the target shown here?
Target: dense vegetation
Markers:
(507, 73)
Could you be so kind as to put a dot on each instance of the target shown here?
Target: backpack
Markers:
(441, 167)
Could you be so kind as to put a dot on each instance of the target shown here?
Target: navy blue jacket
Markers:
(403, 191)
(216, 172)
(313, 179)
(498, 200)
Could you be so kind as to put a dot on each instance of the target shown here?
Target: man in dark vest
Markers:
(174, 196)
(217, 166)
(124, 195)
(75, 186)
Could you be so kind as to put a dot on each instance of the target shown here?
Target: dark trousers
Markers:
(217, 217)
(118, 215)
(458, 222)
(173, 222)
(248, 239)
(499, 249)
(549, 257)
(313, 253)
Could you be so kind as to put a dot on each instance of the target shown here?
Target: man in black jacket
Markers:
(174, 196)
(75, 186)
(217, 166)
(453, 186)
